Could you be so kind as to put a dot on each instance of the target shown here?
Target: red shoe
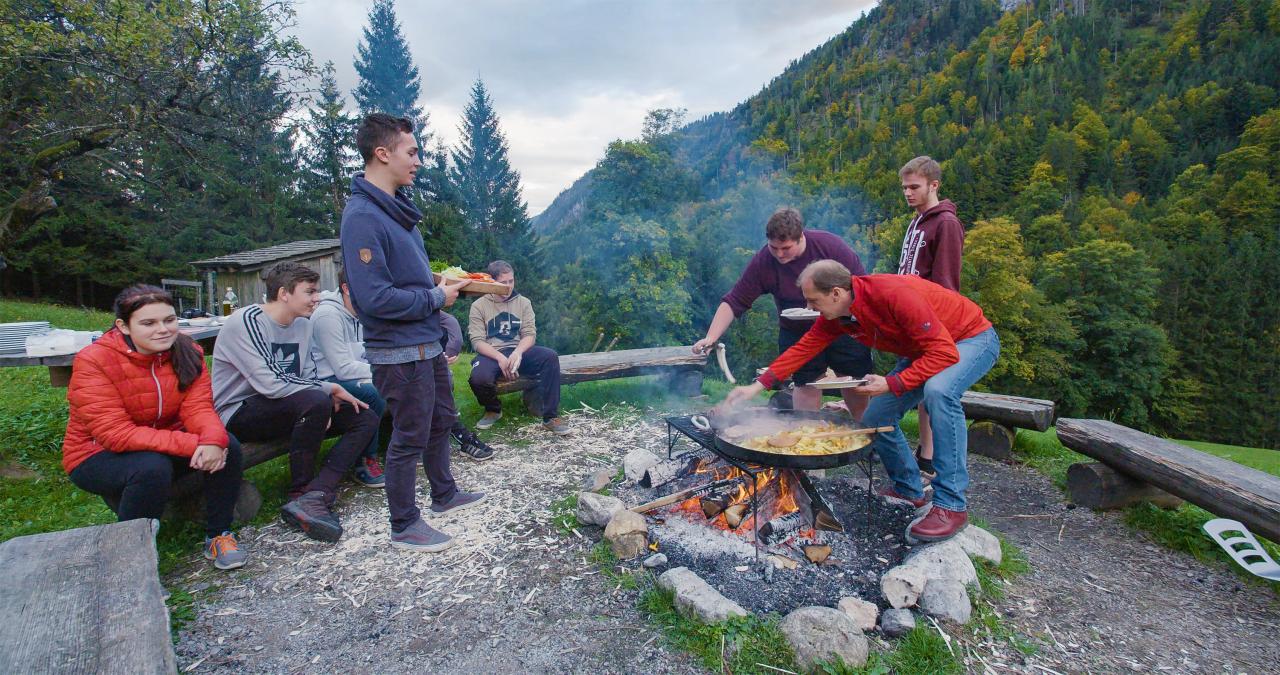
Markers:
(938, 524)
(892, 496)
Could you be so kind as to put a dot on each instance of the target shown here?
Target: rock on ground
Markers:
(594, 509)
(696, 599)
(637, 462)
(902, 585)
(822, 633)
(598, 480)
(978, 543)
(863, 613)
(655, 560)
(946, 599)
(627, 534)
(895, 622)
(944, 560)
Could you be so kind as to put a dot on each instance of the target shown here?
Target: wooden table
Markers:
(59, 365)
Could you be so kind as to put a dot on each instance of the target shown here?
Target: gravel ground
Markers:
(517, 595)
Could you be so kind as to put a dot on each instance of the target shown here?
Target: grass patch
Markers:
(182, 610)
(1262, 459)
(563, 513)
(922, 650)
(602, 556)
(742, 645)
(58, 316)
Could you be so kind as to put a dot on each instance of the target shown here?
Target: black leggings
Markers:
(137, 484)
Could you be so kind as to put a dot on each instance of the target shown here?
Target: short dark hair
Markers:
(380, 130)
(287, 275)
(498, 268)
(342, 277)
(785, 224)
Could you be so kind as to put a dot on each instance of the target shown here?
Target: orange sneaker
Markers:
(224, 551)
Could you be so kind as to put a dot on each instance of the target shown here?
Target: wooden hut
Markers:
(242, 272)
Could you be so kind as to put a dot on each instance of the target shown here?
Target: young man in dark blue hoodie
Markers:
(399, 305)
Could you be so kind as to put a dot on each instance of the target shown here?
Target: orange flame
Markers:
(770, 502)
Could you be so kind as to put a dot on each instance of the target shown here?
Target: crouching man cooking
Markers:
(944, 344)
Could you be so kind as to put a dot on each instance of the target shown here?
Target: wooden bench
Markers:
(1217, 485)
(995, 416)
(682, 368)
(86, 600)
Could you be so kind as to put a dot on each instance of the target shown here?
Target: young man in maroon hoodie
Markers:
(931, 250)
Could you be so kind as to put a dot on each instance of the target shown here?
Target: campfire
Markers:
(777, 510)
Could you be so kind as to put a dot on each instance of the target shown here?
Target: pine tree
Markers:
(389, 81)
(488, 189)
(329, 156)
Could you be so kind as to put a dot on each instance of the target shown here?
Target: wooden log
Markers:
(622, 363)
(190, 506)
(59, 376)
(1101, 488)
(1011, 411)
(991, 439)
(86, 600)
(1219, 486)
(668, 470)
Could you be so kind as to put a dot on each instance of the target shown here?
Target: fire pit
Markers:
(771, 538)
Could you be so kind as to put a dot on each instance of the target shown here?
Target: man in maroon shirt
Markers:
(931, 250)
(774, 270)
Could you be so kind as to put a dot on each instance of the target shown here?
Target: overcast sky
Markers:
(569, 76)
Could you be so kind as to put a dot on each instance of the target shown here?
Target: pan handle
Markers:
(701, 422)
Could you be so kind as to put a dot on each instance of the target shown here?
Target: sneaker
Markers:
(556, 426)
(421, 537)
(460, 501)
(938, 524)
(224, 552)
(890, 495)
(489, 419)
(470, 445)
(369, 473)
(311, 514)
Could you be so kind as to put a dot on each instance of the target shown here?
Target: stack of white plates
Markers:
(13, 336)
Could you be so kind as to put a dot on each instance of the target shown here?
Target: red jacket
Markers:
(124, 401)
(902, 314)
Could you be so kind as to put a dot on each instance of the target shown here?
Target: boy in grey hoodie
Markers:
(338, 351)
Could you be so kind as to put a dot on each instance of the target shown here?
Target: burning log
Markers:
(782, 527)
(816, 553)
(682, 495)
(721, 498)
(664, 472)
(735, 514)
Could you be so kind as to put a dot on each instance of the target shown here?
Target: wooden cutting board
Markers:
(478, 287)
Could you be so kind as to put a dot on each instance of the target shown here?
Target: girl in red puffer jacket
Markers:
(142, 414)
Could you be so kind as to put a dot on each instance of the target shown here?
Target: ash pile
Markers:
(771, 539)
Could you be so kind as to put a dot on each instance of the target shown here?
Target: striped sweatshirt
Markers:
(255, 355)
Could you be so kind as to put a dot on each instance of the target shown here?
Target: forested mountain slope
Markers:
(1115, 162)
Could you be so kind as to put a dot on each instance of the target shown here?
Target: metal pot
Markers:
(781, 459)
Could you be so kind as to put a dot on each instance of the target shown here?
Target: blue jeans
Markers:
(367, 393)
(941, 395)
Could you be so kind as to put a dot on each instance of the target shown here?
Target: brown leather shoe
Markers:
(939, 524)
(890, 495)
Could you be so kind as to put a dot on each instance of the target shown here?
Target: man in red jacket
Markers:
(945, 345)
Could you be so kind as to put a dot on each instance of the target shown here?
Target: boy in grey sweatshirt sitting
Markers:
(338, 351)
(265, 387)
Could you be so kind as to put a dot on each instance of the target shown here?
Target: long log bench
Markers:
(86, 600)
(682, 368)
(1217, 485)
(996, 416)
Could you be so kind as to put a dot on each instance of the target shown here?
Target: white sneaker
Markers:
(489, 419)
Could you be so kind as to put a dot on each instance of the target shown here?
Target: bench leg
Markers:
(532, 401)
(59, 376)
(991, 439)
(188, 503)
(1100, 487)
(686, 382)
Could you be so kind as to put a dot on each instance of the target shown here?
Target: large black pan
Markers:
(781, 459)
